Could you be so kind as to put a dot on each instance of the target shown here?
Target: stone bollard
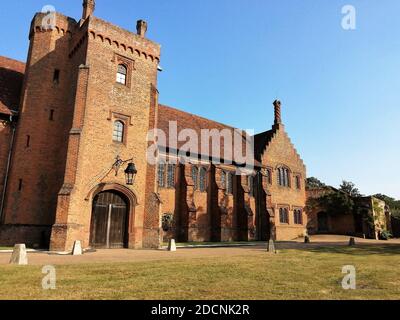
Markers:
(19, 255)
(307, 239)
(352, 242)
(271, 246)
(77, 250)
(172, 245)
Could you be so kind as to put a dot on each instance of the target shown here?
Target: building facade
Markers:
(370, 218)
(80, 112)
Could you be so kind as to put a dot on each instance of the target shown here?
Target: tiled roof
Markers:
(190, 121)
(11, 78)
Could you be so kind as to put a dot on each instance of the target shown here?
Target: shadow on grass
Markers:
(358, 250)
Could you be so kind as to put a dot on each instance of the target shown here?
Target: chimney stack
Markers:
(141, 27)
(278, 118)
(88, 8)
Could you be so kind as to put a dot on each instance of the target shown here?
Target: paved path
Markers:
(125, 255)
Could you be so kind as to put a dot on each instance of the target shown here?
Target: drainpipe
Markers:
(3, 196)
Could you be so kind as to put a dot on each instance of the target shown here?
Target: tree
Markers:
(350, 188)
(314, 183)
(337, 202)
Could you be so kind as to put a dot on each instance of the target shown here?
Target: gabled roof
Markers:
(261, 142)
(11, 79)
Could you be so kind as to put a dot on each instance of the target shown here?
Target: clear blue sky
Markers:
(229, 59)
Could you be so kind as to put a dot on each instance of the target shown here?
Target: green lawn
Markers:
(291, 274)
(5, 248)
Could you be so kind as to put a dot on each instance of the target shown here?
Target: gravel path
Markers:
(125, 255)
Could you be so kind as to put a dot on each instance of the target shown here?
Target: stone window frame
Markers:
(298, 181)
(289, 176)
(122, 74)
(202, 180)
(200, 183)
(125, 119)
(161, 182)
(166, 174)
(295, 211)
(269, 175)
(130, 67)
(287, 216)
(194, 172)
(171, 175)
(119, 129)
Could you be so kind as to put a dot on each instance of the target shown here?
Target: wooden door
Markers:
(109, 221)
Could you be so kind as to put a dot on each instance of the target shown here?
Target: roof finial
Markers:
(88, 8)
(278, 118)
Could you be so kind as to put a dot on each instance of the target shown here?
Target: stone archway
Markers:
(112, 219)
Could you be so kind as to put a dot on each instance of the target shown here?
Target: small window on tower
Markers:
(121, 74)
(56, 76)
(51, 116)
(28, 141)
(118, 133)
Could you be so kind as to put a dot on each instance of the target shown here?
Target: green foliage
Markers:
(393, 204)
(314, 183)
(336, 202)
(386, 235)
(167, 221)
(350, 188)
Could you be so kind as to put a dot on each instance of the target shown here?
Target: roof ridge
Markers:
(11, 59)
(198, 116)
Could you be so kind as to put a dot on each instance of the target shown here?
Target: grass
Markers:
(5, 248)
(291, 274)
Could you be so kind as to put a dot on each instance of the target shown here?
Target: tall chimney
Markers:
(141, 27)
(88, 8)
(278, 118)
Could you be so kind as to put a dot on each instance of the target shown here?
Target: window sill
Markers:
(119, 143)
(167, 188)
(121, 85)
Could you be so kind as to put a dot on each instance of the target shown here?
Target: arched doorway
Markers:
(109, 225)
(323, 222)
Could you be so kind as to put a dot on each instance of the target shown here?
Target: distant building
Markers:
(372, 218)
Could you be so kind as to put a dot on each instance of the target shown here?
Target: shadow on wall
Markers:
(11, 85)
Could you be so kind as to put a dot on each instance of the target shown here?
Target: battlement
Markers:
(95, 29)
(53, 21)
(125, 39)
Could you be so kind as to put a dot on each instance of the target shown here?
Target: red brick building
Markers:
(88, 97)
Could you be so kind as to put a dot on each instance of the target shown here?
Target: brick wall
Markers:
(103, 101)
(5, 137)
(38, 165)
(281, 152)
